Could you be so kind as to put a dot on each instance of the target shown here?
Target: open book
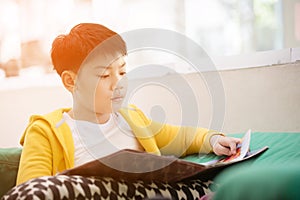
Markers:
(243, 152)
(134, 165)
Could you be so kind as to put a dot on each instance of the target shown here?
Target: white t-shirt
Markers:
(92, 140)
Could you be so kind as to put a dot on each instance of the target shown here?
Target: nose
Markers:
(115, 80)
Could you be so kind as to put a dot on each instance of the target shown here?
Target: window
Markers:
(221, 27)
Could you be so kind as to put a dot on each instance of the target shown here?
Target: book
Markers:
(132, 165)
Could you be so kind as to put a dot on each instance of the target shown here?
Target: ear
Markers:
(69, 80)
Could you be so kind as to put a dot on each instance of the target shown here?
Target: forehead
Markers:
(103, 60)
(117, 63)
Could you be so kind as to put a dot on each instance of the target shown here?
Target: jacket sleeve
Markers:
(182, 140)
(179, 140)
(36, 157)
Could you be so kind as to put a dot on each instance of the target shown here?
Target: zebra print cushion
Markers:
(78, 187)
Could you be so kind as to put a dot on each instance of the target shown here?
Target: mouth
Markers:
(117, 99)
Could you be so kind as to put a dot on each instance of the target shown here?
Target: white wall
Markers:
(17, 105)
(263, 99)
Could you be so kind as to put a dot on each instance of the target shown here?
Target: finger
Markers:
(225, 141)
(230, 143)
(221, 150)
(237, 140)
(232, 146)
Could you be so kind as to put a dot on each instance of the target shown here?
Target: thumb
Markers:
(238, 140)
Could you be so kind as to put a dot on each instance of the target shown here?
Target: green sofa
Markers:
(9, 162)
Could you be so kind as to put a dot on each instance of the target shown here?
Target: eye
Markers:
(122, 73)
(104, 76)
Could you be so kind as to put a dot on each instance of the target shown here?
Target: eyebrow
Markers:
(105, 67)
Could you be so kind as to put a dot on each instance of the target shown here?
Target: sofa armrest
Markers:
(9, 163)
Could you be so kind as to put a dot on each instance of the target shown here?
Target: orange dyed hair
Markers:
(70, 50)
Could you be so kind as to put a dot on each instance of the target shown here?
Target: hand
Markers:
(223, 145)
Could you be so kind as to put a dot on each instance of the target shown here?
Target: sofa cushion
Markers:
(9, 163)
(259, 182)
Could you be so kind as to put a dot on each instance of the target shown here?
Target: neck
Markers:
(99, 118)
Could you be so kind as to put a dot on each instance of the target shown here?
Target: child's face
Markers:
(101, 84)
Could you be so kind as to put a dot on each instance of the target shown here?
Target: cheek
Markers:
(102, 102)
(102, 91)
(85, 91)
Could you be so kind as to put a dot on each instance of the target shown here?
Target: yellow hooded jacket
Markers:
(48, 146)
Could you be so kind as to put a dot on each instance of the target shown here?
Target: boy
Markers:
(91, 63)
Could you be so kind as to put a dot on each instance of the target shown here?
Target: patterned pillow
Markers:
(79, 187)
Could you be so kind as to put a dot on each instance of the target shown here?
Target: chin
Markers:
(116, 107)
(103, 111)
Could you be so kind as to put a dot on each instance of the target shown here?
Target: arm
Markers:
(182, 140)
(173, 140)
(36, 157)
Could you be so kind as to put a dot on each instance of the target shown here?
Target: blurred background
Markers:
(254, 45)
(221, 27)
